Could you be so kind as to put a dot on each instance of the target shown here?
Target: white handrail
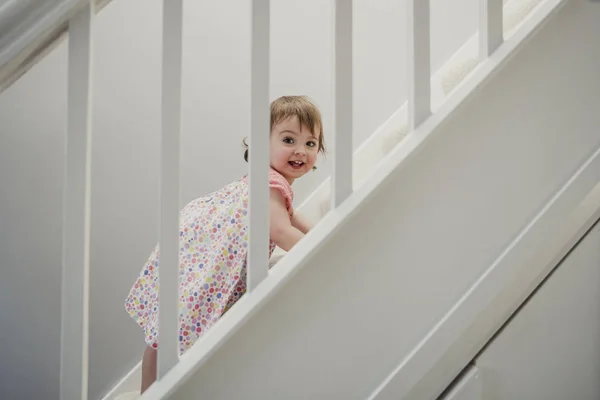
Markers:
(258, 251)
(76, 212)
(168, 354)
(341, 180)
(419, 65)
(491, 34)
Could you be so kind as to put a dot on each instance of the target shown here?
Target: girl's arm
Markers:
(281, 230)
(301, 223)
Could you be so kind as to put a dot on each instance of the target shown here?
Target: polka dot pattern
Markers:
(212, 272)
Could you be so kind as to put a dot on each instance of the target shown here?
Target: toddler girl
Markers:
(214, 234)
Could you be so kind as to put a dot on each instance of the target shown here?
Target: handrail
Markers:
(45, 33)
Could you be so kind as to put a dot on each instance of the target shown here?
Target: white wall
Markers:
(346, 319)
(126, 137)
(550, 349)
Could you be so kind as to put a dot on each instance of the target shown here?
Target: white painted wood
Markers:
(130, 383)
(269, 306)
(33, 37)
(343, 100)
(468, 386)
(168, 354)
(490, 27)
(258, 254)
(419, 63)
(74, 341)
(550, 349)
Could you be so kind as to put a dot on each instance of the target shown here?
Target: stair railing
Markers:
(77, 206)
(258, 257)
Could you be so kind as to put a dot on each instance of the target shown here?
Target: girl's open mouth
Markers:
(296, 164)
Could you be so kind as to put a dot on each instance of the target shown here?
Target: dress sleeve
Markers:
(277, 181)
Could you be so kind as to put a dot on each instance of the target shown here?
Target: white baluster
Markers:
(168, 354)
(490, 27)
(258, 252)
(343, 134)
(419, 67)
(76, 212)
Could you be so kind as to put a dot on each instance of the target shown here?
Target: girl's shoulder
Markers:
(277, 181)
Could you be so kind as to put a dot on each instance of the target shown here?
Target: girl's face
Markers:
(294, 149)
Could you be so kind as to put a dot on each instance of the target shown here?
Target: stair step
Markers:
(128, 396)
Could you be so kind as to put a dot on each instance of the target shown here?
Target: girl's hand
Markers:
(282, 232)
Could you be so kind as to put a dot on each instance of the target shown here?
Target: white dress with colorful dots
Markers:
(212, 271)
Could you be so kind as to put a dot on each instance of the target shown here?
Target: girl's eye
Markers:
(311, 144)
(288, 140)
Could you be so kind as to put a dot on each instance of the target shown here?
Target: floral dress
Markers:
(212, 271)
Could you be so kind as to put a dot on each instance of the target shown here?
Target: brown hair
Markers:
(303, 108)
